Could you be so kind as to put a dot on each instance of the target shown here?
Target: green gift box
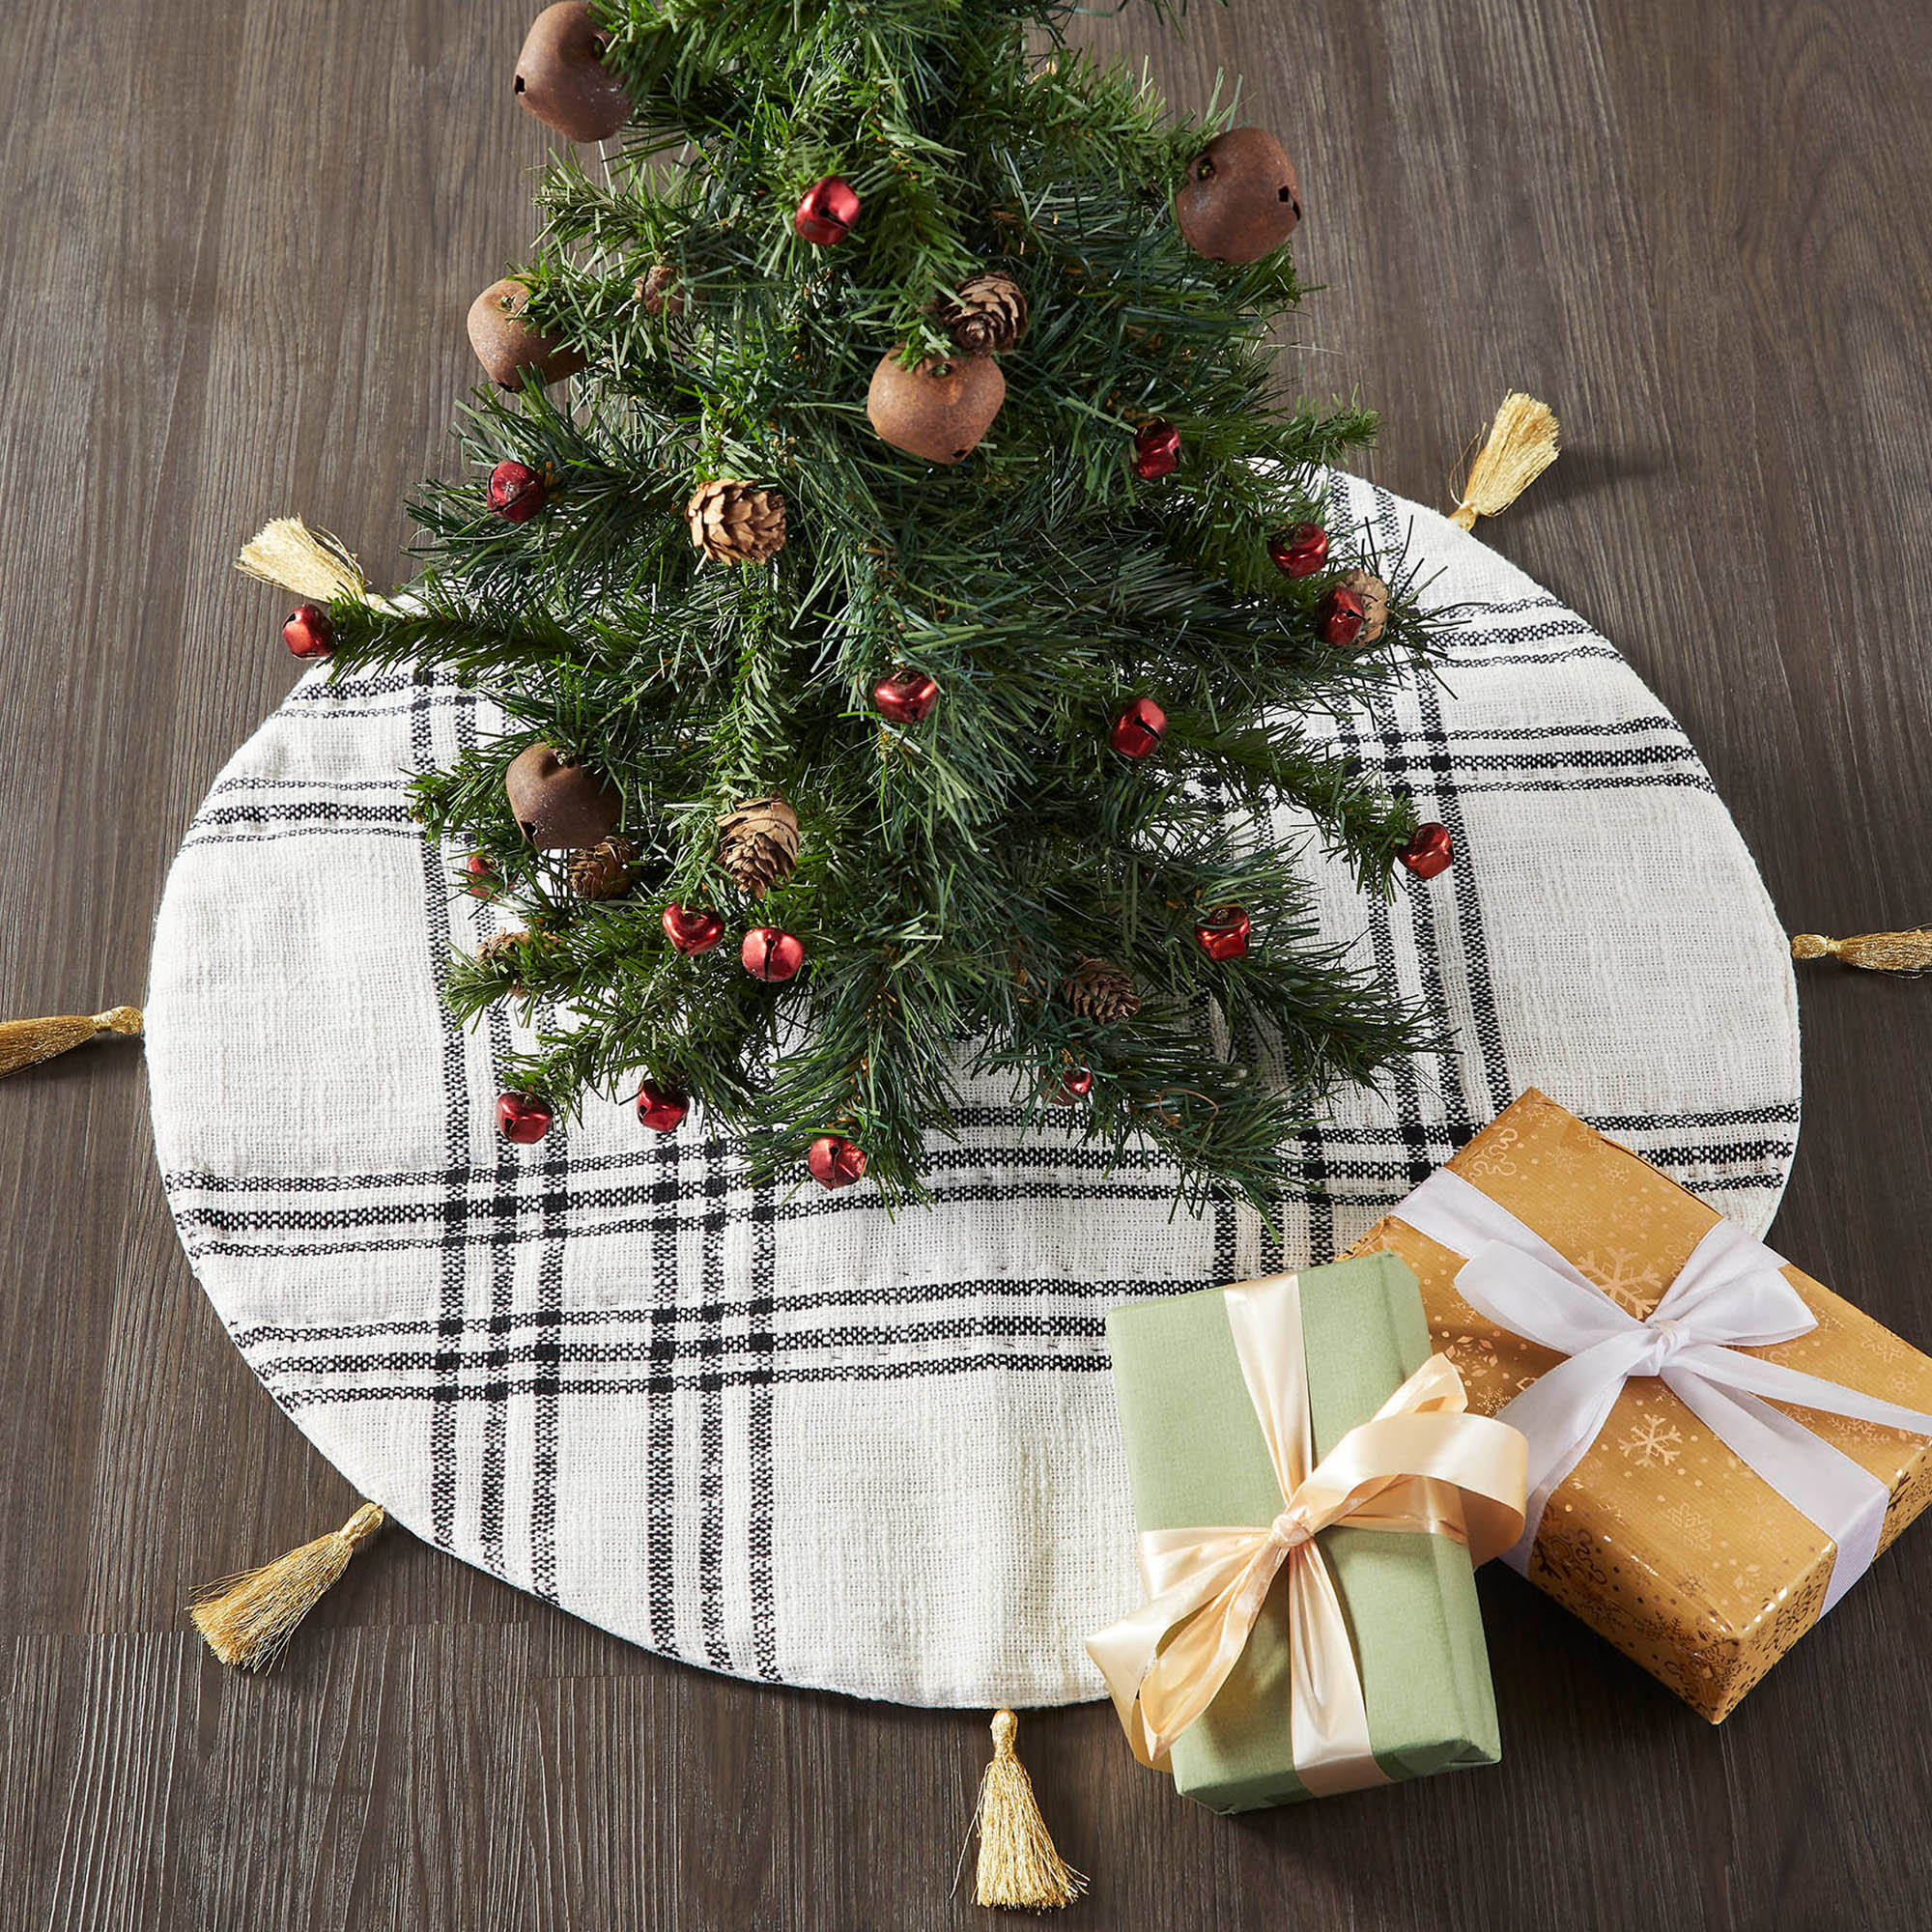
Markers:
(1196, 1456)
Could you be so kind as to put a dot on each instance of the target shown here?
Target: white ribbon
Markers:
(1731, 1294)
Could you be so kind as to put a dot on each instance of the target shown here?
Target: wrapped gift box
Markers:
(1195, 1456)
(1661, 1538)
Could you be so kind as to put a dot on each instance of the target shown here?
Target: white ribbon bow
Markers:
(1731, 1294)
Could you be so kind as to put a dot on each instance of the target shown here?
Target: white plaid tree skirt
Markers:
(771, 1430)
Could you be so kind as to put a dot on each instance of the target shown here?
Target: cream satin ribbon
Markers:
(1732, 1294)
(1419, 1465)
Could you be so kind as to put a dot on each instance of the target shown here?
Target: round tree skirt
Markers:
(774, 1431)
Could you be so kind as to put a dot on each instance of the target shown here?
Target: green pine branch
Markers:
(951, 872)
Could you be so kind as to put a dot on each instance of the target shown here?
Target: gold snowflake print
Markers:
(1632, 1282)
(1493, 1155)
(1473, 1354)
(1653, 1444)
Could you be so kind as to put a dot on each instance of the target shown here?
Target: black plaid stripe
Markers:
(547, 1388)
(1635, 753)
(1363, 1162)
(499, 1255)
(760, 1312)
(662, 1353)
(1411, 1116)
(660, 1499)
(449, 1327)
(711, 1432)
(325, 692)
(1357, 1163)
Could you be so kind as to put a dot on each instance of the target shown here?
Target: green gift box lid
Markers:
(1196, 1458)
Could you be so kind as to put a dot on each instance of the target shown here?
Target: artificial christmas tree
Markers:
(952, 348)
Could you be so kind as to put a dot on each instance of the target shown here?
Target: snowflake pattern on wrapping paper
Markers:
(1492, 1154)
(1480, 1364)
(1475, 1357)
(1653, 1444)
(1632, 1282)
(1855, 1429)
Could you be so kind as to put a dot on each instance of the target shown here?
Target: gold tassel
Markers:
(25, 1043)
(1875, 951)
(1521, 445)
(1018, 1867)
(311, 564)
(248, 1619)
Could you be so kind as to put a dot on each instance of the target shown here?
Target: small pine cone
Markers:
(1375, 596)
(658, 292)
(605, 871)
(1098, 989)
(986, 313)
(498, 945)
(757, 843)
(736, 523)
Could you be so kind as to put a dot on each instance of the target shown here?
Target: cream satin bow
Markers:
(1420, 1464)
(1731, 1294)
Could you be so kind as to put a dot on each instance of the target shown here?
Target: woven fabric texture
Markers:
(771, 1430)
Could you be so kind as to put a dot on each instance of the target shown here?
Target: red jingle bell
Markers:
(1223, 933)
(1339, 617)
(1431, 851)
(693, 928)
(1139, 728)
(770, 954)
(835, 1161)
(826, 212)
(483, 880)
(659, 1109)
(523, 1118)
(309, 633)
(1070, 1089)
(516, 492)
(1299, 551)
(906, 696)
(1156, 450)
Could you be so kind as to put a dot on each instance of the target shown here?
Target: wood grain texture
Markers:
(241, 239)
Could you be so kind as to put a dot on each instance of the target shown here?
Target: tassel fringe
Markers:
(311, 564)
(1019, 1868)
(1523, 443)
(26, 1042)
(248, 1619)
(1874, 952)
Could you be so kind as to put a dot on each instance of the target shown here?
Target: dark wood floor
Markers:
(241, 240)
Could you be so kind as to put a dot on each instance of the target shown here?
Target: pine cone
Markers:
(658, 292)
(1375, 596)
(1098, 989)
(605, 871)
(757, 843)
(736, 523)
(498, 944)
(986, 313)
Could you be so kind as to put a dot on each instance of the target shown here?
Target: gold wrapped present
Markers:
(1718, 1445)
